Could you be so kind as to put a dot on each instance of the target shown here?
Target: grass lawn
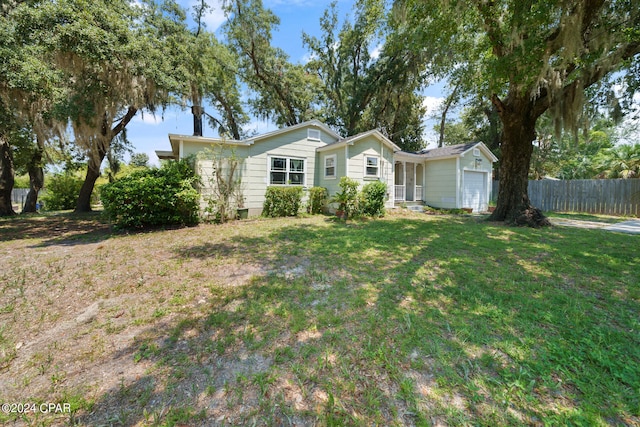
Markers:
(407, 320)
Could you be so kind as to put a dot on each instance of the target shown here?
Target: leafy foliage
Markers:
(225, 183)
(153, 197)
(318, 198)
(282, 201)
(527, 58)
(140, 160)
(347, 197)
(365, 84)
(374, 195)
(62, 192)
(286, 92)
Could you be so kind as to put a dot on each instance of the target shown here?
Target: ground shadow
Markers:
(402, 321)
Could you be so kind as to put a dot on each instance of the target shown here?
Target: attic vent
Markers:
(313, 134)
(476, 152)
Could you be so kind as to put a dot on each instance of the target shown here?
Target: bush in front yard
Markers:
(318, 198)
(373, 197)
(62, 192)
(153, 197)
(282, 201)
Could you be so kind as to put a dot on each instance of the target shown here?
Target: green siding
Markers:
(255, 157)
(371, 146)
(440, 183)
(468, 162)
(332, 185)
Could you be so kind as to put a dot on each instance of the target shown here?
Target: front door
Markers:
(411, 181)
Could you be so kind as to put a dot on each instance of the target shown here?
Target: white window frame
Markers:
(366, 166)
(287, 170)
(335, 166)
(313, 135)
(476, 152)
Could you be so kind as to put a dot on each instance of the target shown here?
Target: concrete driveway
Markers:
(630, 226)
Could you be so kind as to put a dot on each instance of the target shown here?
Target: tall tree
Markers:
(112, 62)
(29, 91)
(285, 92)
(368, 81)
(532, 57)
(205, 69)
(7, 172)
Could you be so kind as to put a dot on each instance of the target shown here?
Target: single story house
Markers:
(312, 154)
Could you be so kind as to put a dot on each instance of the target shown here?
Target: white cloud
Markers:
(432, 104)
(276, 3)
(375, 54)
(214, 17)
(148, 118)
(309, 56)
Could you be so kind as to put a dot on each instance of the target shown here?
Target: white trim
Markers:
(287, 170)
(476, 152)
(334, 157)
(487, 185)
(459, 184)
(346, 160)
(366, 166)
(314, 131)
(351, 140)
(181, 150)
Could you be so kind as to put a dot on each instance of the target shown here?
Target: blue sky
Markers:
(149, 133)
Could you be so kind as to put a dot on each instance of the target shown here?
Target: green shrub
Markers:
(282, 201)
(347, 197)
(318, 197)
(152, 197)
(373, 197)
(62, 192)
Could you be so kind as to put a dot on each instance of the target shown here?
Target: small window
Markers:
(371, 169)
(330, 166)
(313, 134)
(476, 152)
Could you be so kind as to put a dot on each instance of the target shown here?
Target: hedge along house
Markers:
(312, 154)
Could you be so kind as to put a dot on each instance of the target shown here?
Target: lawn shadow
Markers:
(402, 321)
(55, 228)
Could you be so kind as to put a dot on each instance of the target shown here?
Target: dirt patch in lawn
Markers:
(87, 315)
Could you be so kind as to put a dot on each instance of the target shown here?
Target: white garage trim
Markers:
(475, 190)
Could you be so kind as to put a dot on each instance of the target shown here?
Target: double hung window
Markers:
(286, 171)
(372, 169)
(330, 166)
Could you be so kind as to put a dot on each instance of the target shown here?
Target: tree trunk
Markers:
(93, 173)
(95, 159)
(518, 133)
(6, 177)
(36, 178)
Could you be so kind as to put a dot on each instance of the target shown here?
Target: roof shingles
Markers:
(448, 151)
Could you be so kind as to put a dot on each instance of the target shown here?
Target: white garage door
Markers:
(474, 192)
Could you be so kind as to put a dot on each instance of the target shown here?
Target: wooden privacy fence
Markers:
(603, 196)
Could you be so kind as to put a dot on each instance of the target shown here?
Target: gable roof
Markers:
(175, 139)
(310, 123)
(456, 151)
(352, 139)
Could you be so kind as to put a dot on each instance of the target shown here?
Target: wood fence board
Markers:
(604, 196)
